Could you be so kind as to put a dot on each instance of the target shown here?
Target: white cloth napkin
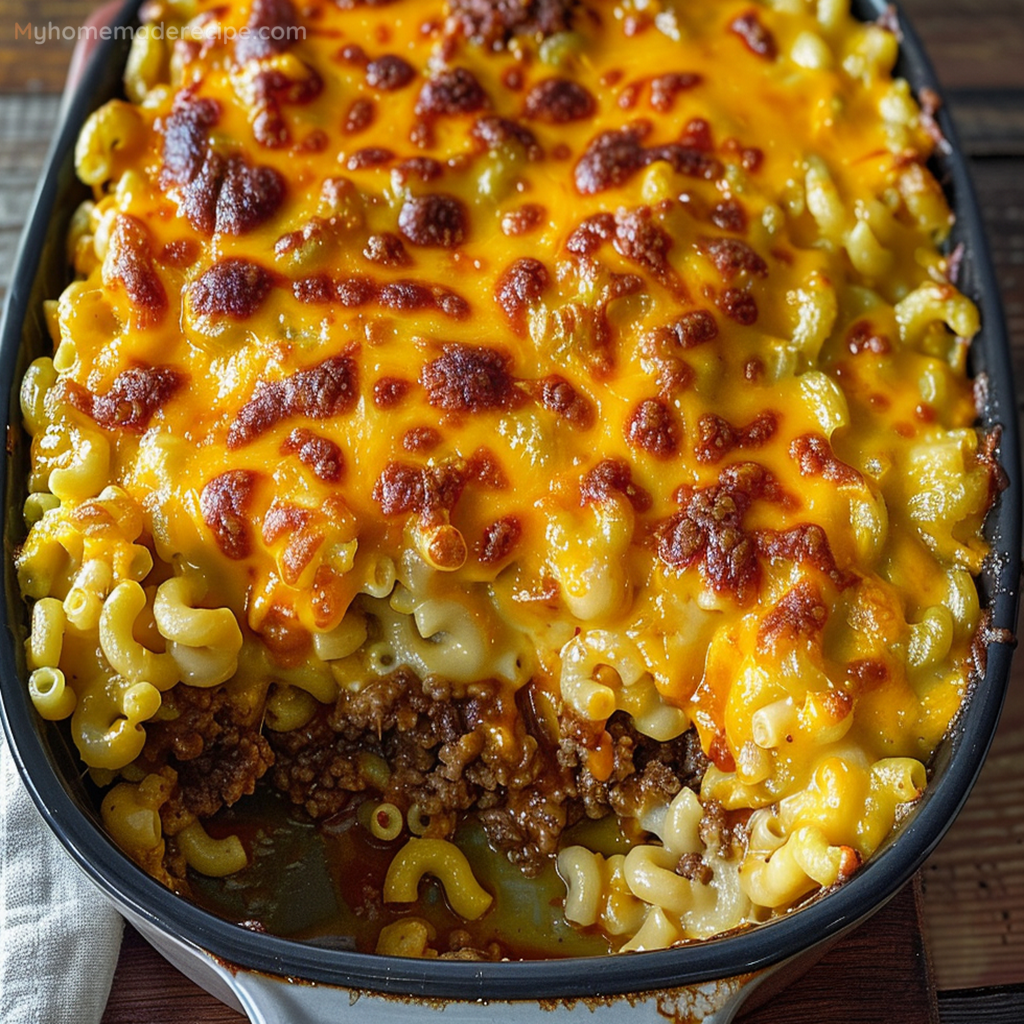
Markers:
(59, 936)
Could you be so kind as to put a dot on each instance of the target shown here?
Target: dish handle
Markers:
(274, 999)
(267, 999)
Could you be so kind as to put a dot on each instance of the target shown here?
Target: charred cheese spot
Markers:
(287, 640)
(320, 454)
(273, 90)
(493, 132)
(644, 243)
(320, 392)
(494, 24)
(434, 221)
(470, 378)
(613, 157)
(499, 540)
(484, 467)
(216, 192)
(390, 391)
(403, 488)
(719, 753)
(225, 502)
(801, 613)
(730, 215)
(129, 263)
(182, 252)
(451, 92)
(232, 288)
(386, 249)
(709, 530)
(868, 673)
(731, 257)
(591, 234)
(315, 290)
(738, 305)
(414, 296)
(270, 26)
(421, 439)
(815, 457)
(353, 292)
(808, 544)
(523, 220)
(558, 395)
(133, 398)
(717, 437)
(653, 428)
(185, 133)
(697, 135)
(610, 477)
(756, 37)
(389, 73)
(418, 168)
(694, 328)
(863, 337)
(558, 101)
(371, 156)
(229, 194)
(520, 285)
(359, 116)
(665, 88)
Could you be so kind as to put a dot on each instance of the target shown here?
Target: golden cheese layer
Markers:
(600, 348)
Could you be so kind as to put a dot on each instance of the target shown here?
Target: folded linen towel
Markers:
(59, 936)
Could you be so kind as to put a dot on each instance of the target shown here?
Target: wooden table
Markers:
(950, 948)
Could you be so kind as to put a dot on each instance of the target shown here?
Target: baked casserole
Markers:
(531, 438)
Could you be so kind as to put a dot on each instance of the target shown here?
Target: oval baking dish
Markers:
(273, 979)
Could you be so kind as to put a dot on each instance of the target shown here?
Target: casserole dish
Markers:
(721, 958)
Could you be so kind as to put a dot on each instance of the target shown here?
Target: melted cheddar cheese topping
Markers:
(599, 351)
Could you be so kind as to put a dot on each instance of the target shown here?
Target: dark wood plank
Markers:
(879, 974)
(974, 882)
(25, 130)
(989, 122)
(999, 184)
(972, 44)
(28, 64)
(982, 1006)
(148, 990)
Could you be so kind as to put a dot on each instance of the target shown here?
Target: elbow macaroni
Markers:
(203, 642)
(126, 655)
(215, 858)
(444, 861)
(686, 542)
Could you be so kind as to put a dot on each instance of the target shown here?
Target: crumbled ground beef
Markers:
(693, 867)
(215, 746)
(644, 771)
(448, 755)
(717, 833)
(316, 767)
(415, 744)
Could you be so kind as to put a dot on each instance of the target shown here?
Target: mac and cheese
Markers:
(514, 432)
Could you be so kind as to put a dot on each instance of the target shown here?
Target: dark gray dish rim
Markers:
(47, 763)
